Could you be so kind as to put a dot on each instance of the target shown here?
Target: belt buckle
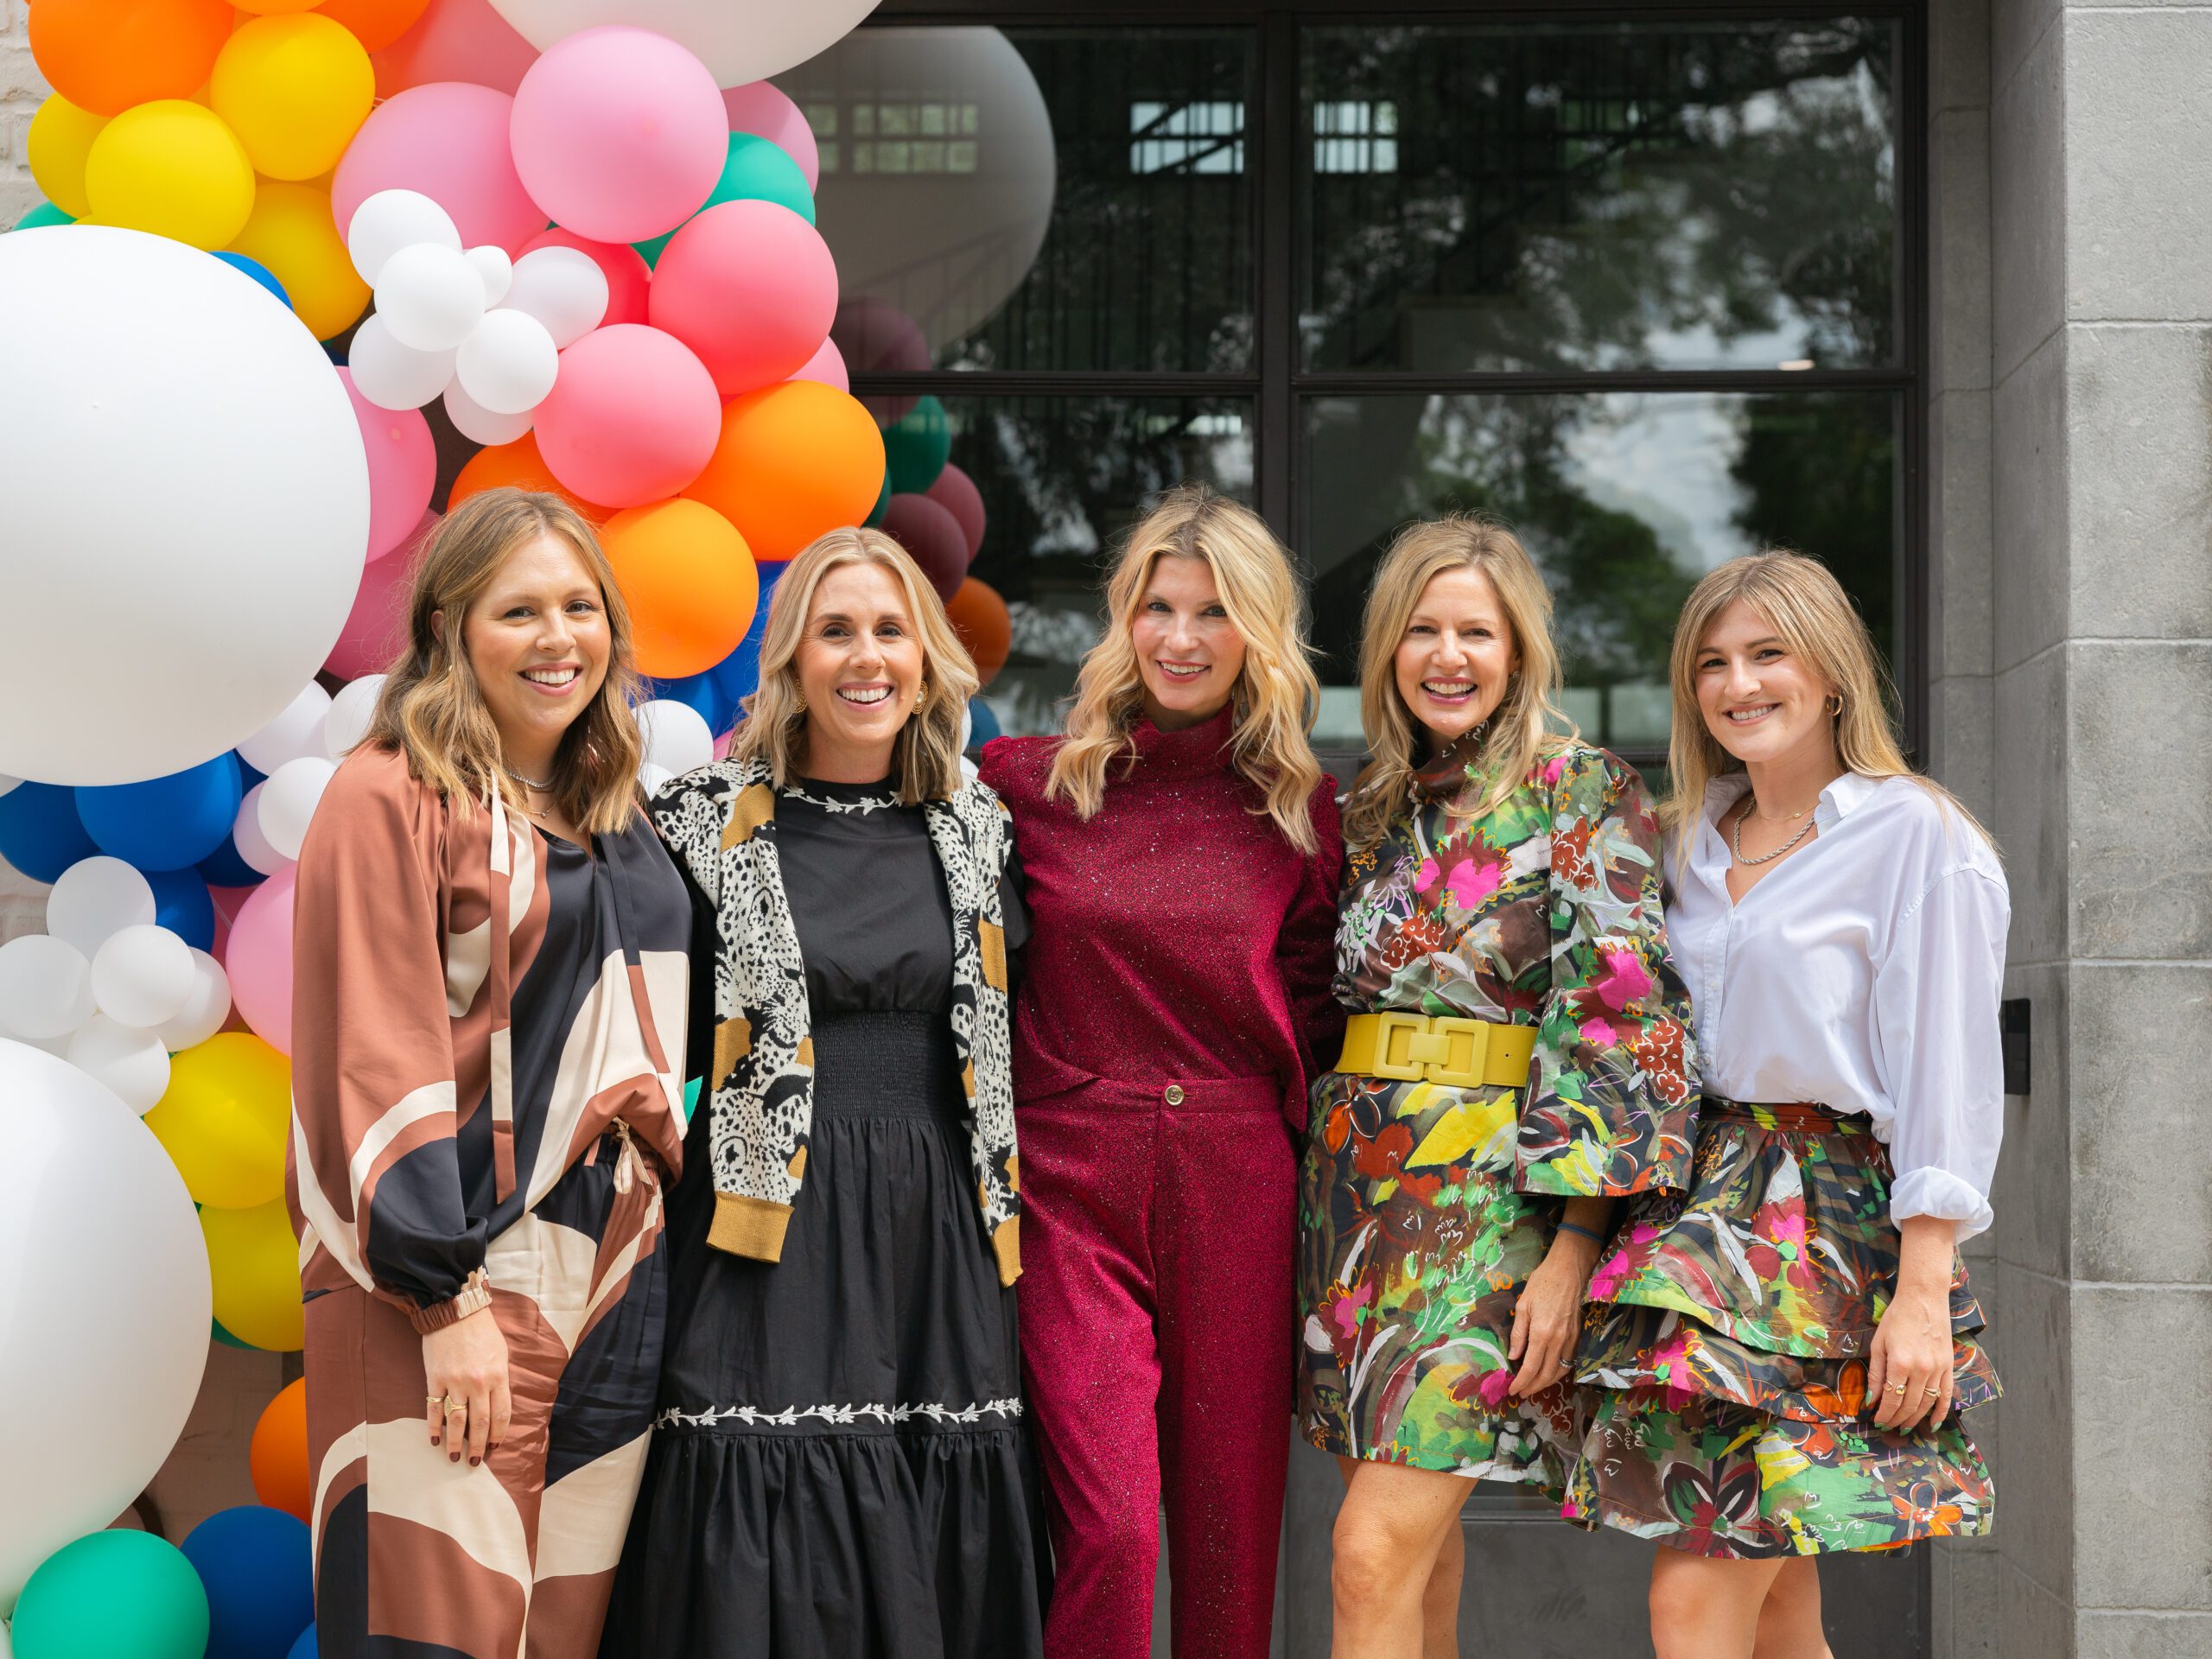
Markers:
(1387, 1025)
(1438, 1052)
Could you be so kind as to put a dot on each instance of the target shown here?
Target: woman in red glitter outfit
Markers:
(1181, 849)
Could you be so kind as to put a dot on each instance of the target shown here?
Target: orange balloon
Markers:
(690, 580)
(278, 1456)
(519, 466)
(106, 55)
(795, 460)
(979, 617)
(375, 23)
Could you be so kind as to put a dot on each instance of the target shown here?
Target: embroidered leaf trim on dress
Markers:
(864, 805)
(837, 1416)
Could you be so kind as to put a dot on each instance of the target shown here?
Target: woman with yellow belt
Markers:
(1516, 1059)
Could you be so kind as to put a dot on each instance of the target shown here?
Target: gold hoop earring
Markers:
(1835, 702)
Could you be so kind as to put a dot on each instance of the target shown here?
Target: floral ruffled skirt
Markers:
(1412, 1247)
(1726, 1341)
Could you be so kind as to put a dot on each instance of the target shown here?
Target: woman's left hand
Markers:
(1549, 1317)
(1908, 1367)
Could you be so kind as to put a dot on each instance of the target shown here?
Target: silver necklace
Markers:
(1750, 803)
(529, 783)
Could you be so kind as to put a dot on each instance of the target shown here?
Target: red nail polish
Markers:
(434, 1440)
(456, 1457)
(472, 1462)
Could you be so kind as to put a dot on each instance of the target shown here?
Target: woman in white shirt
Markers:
(1781, 1355)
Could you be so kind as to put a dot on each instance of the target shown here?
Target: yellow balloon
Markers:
(225, 1119)
(294, 90)
(254, 1259)
(61, 137)
(293, 235)
(173, 169)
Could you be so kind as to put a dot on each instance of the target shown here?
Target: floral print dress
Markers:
(1423, 1207)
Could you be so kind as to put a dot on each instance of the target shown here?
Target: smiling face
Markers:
(538, 641)
(1457, 655)
(860, 669)
(1762, 703)
(1189, 653)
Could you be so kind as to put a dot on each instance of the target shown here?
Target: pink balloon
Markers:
(455, 40)
(751, 288)
(377, 626)
(403, 468)
(619, 133)
(763, 109)
(957, 494)
(722, 743)
(827, 365)
(874, 336)
(632, 418)
(259, 960)
(627, 271)
(933, 535)
(448, 140)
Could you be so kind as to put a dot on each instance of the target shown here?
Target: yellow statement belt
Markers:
(1458, 1052)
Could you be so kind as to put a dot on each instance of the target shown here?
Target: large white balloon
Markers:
(507, 365)
(739, 40)
(430, 296)
(204, 1012)
(947, 249)
(45, 988)
(188, 505)
(390, 220)
(351, 711)
(391, 375)
(132, 1062)
(104, 1294)
(94, 898)
(677, 735)
(296, 732)
(562, 288)
(142, 976)
(287, 801)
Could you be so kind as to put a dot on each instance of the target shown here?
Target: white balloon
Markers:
(88, 1186)
(142, 976)
(430, 296)
(296, 732)
(390, 220)
(133, 1063)
(6, 784)
(391, 375)
(94, 898)
(188, 505)
(677, 735)
(45, 988)
(246, 836)
(351, 711)
(289, 796)
(479, 424)
(508, 364)
(496, 270)
(739, 40)
(562, 288)
(204, 1012)
(651, 777)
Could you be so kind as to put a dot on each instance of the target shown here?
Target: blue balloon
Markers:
(738, 675)
(260, 274)
(983, 724)
(181, 904)
(224, 867)
(255, 1565)
(305, 1647)
(40, 831)
(700, 691)
(165, 824)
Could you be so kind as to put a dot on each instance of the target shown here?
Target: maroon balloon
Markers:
(957, 494)
(874, 336)
(933, 537)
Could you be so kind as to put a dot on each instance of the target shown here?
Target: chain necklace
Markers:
(529, 783)
(1750, 805)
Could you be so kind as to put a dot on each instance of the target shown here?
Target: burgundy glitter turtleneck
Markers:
(1177, 934)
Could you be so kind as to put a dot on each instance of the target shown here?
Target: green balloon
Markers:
(917, 446)
(228, 1340)
(46, 213)
(112, 1595)
(882, 503)
(754, 170)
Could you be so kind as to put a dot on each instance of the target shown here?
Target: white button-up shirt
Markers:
(1863, 973)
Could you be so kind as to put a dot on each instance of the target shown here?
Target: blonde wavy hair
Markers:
(925, 761)
(432, 710)
(1276, 696)
(1527, 720)
(1812, 615)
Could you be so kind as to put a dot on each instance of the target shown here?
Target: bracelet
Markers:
(1569, 1227)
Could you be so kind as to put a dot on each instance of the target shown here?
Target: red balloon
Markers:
(632, 418)
(627, 273)
(957, 494)
(933, 537)
(750, 287)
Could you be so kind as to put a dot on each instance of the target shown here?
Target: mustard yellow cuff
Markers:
(749, 1226)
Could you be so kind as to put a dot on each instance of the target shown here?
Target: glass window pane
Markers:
(1037, 198)
(1623, 500)
(1062, 478)
(1600, 196)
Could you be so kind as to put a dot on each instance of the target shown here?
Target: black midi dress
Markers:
(841, 1465)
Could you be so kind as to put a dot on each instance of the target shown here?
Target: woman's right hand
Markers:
(465, 1365)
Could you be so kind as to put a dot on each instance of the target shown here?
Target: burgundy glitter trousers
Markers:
(1156, 1296)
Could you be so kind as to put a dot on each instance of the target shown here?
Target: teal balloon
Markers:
(754, 170)
(112, 1595)
(917, 446)
(225, 1337)
(45, 214)
(882, 503)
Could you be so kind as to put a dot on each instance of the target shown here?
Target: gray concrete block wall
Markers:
(22, 91)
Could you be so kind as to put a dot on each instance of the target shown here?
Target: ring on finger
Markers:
(1896, 1387)
(435, 1401)
(455, 1406)
(1932, 1392)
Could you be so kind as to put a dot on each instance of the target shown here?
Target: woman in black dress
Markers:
(841, 1464)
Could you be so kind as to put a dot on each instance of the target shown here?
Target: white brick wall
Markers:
(22, 90)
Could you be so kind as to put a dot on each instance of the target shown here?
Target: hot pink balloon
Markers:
(957, 494)
(762, 110)
(875, 337)
(455, 40)
(827, 365)
(751, 288)
(448, 140)
(259, 960)
(933, 535)
(403, 468)
(632, 418)
(619, 133)
(626, 268)
(377, 626)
